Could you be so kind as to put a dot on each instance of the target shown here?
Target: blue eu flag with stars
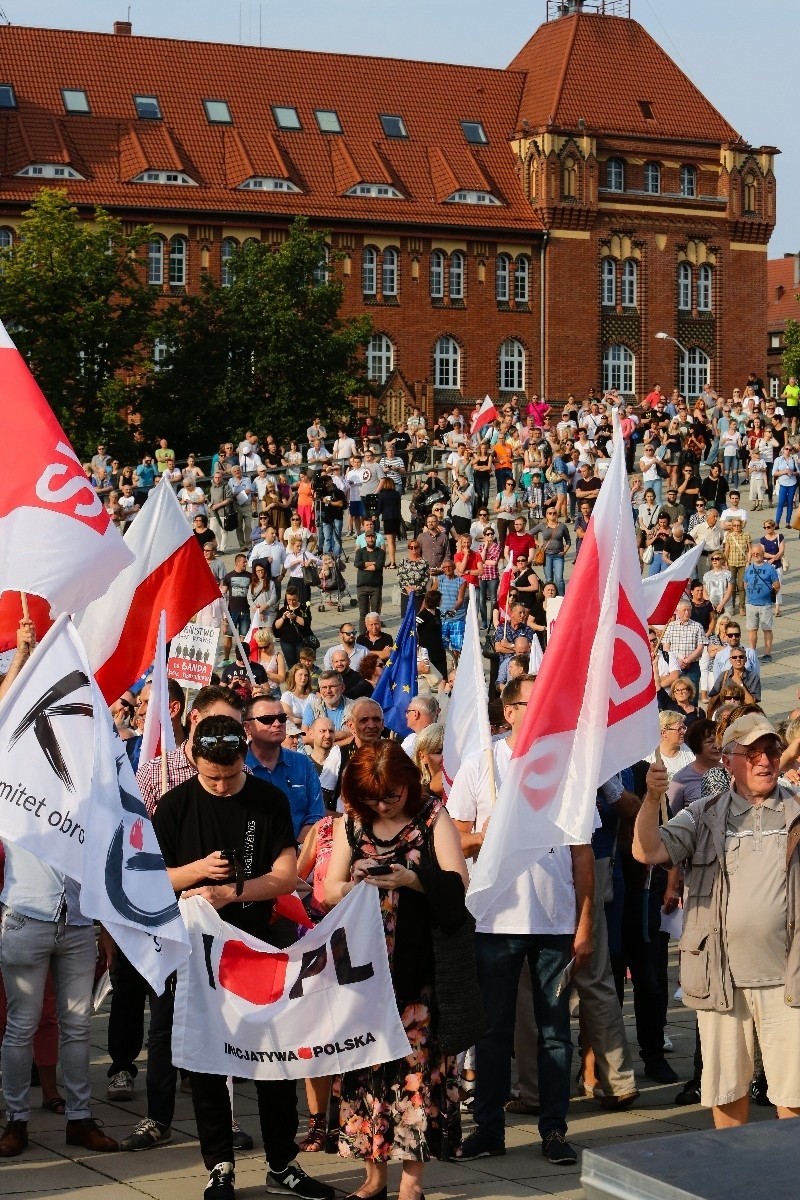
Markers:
(398, 683)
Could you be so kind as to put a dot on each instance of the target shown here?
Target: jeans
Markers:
(126, 1017)
(785, 502)
(28, 949)
(554, 571)
(332, 537)
(658, 564)
(487, 598)
(481, 482)
(499, 958)
(277, 1111)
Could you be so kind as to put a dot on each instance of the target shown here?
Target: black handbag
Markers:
(310, 641)
(229, 520)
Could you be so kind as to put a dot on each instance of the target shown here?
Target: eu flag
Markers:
(398, 683)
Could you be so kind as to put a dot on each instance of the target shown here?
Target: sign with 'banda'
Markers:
(192, 654)
(320, 1007)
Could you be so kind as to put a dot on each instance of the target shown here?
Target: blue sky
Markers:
(721, 44)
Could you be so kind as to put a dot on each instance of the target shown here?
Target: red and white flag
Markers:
(484, 416)
(158, 733)
(663, 591)
(467, 727)
(57, 538)
(503, 588)
(169, 572)
(593, 710)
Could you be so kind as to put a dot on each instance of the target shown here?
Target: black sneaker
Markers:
(241, 1139)
(220, 1182)
(758, 1091)
(558, 1151)
(659, 1070)
(146, 1135)
(293, 1181)
(479, 1145)
(689, 1093)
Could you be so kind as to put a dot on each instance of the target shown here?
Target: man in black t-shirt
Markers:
(199, 825)
(235, 586)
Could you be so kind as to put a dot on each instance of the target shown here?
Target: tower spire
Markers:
(568, 8)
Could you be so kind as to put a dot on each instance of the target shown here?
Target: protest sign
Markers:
(192, 654)
(322, 1006)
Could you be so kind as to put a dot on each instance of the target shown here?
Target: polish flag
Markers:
(169, 572)
(158, 733)
(57, 538)
(484, 416)
(467, 727)
(11, 614)
(503, 588)
(663, 591)
(594, 703)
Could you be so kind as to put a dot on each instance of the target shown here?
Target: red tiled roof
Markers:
(111, 146)
(598, 68)
(782, 291)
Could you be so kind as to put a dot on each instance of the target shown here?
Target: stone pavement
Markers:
(50, 1169)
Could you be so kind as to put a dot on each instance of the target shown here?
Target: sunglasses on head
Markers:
(223, 739)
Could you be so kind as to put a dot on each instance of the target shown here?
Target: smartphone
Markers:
(379, 870)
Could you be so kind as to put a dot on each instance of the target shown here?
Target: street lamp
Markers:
(667, 337)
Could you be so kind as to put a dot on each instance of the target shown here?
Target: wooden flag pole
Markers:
(26, 616)
(663, 801)
(238, 642)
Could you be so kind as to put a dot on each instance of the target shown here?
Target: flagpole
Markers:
(238, 642)
(26, 616)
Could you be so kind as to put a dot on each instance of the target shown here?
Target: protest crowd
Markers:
(391, 753)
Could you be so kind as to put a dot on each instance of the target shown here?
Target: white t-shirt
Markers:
(733, 514)
(353, 479)
(408, 744)
(541, 899)
(355, 653)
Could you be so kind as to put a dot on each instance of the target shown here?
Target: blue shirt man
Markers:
(265, 725)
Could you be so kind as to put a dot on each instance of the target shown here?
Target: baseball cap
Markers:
(292, 730)
(747, 729)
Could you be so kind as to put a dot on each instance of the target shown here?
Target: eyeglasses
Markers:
(732, 635)
(223, 739)
(737, 658)
(755, 754)
(281, 718)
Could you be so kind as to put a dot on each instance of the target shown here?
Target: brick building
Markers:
(783, 287)
(528, 229)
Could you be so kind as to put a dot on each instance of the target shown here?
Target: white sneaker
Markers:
(120, 1086)
(220, 1182)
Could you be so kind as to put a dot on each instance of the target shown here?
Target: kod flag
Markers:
(68, 795)
(57, 538)
(593, 709)
(320, 1007)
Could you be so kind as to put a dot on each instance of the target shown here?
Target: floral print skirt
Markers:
(407, 1109)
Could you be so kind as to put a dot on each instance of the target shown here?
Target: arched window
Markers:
(321, 272)
(652, 178)
(694, 372)
(628, 287)
(177, 262)
(228, 249)
(608, 275)
(522, 271)
(369, 271)
(6, 239)
(512, 366)
(502, 275)
(704, 278)
(389, 272)
(684, 287)
(456, 281)
(619, 369)
(380, 358)
(437, 275)
(569, 178)
(688, 181)
(447, 363)
(750, 193)
(615, 175)
(155, 260)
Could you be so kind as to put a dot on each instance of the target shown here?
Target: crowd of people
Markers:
(288, 743)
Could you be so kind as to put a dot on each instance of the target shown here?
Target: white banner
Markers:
(322, 1006)
(191, 656)
(68, 795)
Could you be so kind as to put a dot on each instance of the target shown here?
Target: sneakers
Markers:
(668, 1046)
(758, 1091)
(690, 1093)
(293, 1181)
(146, 1135)
(558, 1151)
(479, 1145)
(120, 1086)
(659, 1070)
(241, 1139)
(220, 1182)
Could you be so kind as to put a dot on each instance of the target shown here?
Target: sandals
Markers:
(315, 1139)
(55, 1104)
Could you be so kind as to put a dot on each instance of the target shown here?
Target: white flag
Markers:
(467, 727)
(158, 734)
(68, 795)
(322, 1006)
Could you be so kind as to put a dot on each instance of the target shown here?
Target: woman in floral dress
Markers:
(408, 1110)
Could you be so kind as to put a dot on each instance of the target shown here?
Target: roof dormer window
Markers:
(174, 178)
(286, 117)
(328, 120)
(470, 197)
(147, 108)
(75, 100)
(393, 126)
(8, 98)
(474, 133)
(49, 171)
(266, 183)
(218, 112)
(383, 190)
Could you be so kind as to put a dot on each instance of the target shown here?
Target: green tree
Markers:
(791, 354)
(73, 297)
(270, 350)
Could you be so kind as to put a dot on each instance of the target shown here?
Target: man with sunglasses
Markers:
(228, 837)
(740, 958)
(292, 773)
(732, 640)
